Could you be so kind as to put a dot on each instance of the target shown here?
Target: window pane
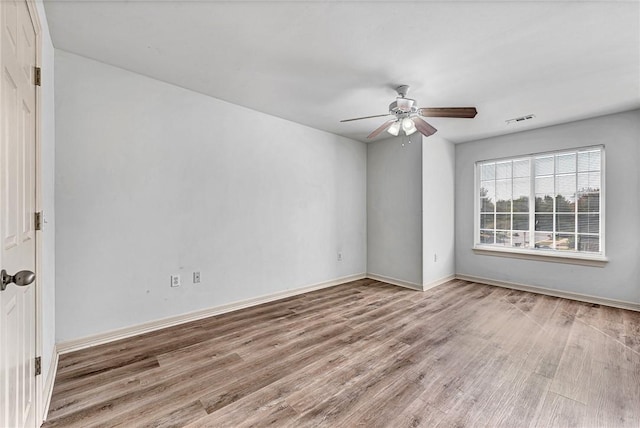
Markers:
(544, 222)
(544, 204)
(503, 221)
(583, 161)
(521, 189)
(583, 182)
(588, 181)
(588, 223)
(521, 168)
(565, 163)
(589, 243)
(566, 184)
(488, 171)
(589, 202)
(488, 189)
(487, 236)
(565, 205)
(486, 221)
(595, 160)
(520, 239)
(566, 193)
(565, 223)
(503, 238)
(521, 205)
(565, 242)
(487, 205)
(544, 165)
(589, 161)
(594, 181)
(503, 195)
(545, 185)
(503, 170)
(543, 240)
(503, 206)
(521, 222)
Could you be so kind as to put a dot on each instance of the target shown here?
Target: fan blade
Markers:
(460, 112)
(424, 128)
(382, 128)
(366, 117)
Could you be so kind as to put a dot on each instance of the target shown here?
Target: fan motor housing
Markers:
(402, 106)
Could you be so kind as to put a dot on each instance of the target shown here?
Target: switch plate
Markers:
(196, 277)
(339, 256)
(175, 281)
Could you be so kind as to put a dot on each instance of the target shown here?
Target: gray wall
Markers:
(620, 279)
(153, 180)
(394, 209)
(410, 209)
(438, 222)
(47, 145)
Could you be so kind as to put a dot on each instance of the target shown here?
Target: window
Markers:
(546, 203)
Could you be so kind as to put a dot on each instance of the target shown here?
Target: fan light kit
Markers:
(408, 126)
(407, 116)
(394, 129)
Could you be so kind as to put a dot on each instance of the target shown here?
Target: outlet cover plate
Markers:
(175, 281)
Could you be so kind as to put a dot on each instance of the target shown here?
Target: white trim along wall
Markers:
(123, 333)
(632, 306)
(134, 330)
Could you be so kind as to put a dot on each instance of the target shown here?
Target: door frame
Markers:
(35, 19)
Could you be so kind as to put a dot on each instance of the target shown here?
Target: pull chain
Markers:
(408, 139)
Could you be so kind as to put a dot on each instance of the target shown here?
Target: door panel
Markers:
(17, 197)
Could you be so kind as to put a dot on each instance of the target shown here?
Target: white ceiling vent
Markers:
(520, 119)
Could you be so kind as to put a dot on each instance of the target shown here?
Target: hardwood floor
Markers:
(368, 354)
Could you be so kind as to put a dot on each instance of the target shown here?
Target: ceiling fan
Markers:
(407, 116)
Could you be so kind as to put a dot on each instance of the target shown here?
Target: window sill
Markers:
(570, 258)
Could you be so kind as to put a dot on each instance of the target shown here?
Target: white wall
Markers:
(394, 210)
(47, 145)
(438, 225)
(152, 179)
(620, 279)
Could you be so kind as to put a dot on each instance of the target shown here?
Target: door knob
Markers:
(22, 278)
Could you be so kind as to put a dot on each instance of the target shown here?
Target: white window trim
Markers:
(570, 257)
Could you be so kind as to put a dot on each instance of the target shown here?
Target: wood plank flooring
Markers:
(368, 354)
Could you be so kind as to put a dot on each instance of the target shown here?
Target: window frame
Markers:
(544, 254)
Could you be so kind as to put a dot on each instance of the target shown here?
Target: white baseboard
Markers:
(555, 293)
(110, 336)
(123, 333)
(47, 390)
(411, 285)
(437, 282)
(394, 281)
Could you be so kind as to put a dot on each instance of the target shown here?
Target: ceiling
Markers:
(317, 62)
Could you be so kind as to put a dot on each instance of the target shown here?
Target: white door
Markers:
(17, 210)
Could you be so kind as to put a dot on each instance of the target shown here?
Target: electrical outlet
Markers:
(435, 257)
(339, 256)
(175, 281)
(196, 277)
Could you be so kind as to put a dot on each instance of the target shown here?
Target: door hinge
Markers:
(38, 220)
(38, 364)
(37, 76)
